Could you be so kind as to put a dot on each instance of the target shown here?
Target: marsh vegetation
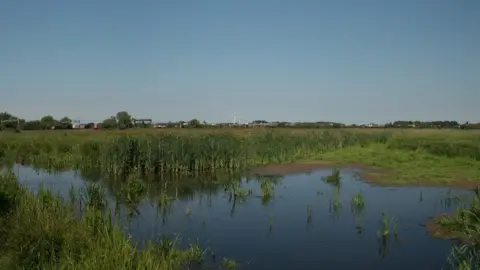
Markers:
(191, 178)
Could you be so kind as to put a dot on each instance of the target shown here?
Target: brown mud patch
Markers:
(368, 174)
(434, 229)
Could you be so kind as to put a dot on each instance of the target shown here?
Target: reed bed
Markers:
(175, 154)
(195, 152)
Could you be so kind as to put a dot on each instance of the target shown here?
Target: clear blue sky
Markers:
(348, 61)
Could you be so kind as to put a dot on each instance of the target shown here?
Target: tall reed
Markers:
(179, 154)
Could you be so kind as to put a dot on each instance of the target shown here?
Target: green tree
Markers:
(32, 125)
(8, 121)
(47, 122)
(110, 123)
(194, 123)
(6, 116)
(65, 123)
(124, 120)
(65, 119)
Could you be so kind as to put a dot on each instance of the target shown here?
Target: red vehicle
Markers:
(95, 126)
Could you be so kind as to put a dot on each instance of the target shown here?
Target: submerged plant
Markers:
(357, 202)
(359, 223)
(357, 205)
(334, 178)
(335, 202)
(384, 233)
(386, 224)
(270, 222)
(267, 187)
(309, 216)
(229, 264)
(93, 196)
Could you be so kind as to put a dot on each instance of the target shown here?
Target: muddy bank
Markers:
(368, 174)
(434, 229)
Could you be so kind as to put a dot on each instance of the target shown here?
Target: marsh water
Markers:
(301, 222)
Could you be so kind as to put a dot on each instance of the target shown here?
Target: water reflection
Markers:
(292, 222)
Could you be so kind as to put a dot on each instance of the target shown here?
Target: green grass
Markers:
(407, 166)
(45, 232)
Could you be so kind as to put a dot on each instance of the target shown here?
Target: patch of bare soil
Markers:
(435, 229)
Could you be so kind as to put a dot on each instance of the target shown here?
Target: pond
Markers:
(291, 222)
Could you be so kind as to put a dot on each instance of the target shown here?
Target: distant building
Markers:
(78, 126)
(160, 125)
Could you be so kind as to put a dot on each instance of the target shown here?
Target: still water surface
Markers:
(307, 224)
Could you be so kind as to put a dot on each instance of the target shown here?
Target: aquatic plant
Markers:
(335, 202)
(241, 192)
(309, 216)
(229, 264)
(359, 223)
(384, 232)
(270, 222)
(386, 226)
(334, 178)
(448, 199)
(267, 190)
(357, 203)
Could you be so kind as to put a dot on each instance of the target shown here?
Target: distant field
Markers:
(245, 131)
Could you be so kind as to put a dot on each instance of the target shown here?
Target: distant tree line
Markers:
(433, 124)
(123, 120)
(9, 121)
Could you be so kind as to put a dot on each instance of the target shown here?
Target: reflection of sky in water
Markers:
(326, 243)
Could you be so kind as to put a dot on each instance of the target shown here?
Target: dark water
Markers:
(297, 229)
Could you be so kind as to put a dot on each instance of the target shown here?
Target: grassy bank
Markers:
(463, 225)
(409, 167)
(44, 231)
